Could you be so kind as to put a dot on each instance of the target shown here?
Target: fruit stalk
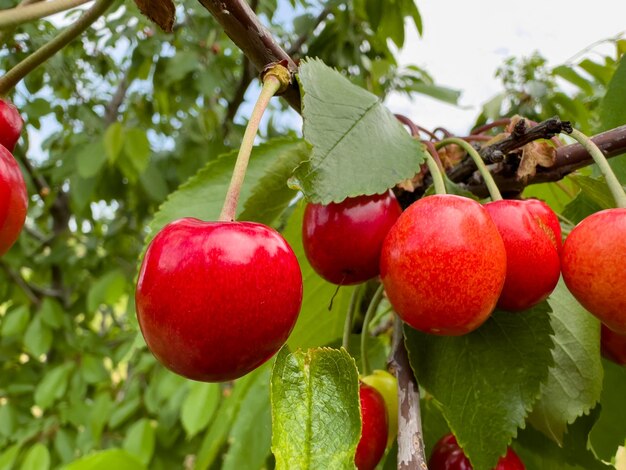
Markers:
(440, 186)
(371, 310)
(611, 180)
(494, 192)
(355, 300)
(30, 63)
(275, 79)
(18, 15)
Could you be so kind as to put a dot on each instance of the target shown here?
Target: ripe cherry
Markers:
(613, 345)
(10, 125)
(533, 265)
(13, 200)
(447, 455)
(215, 300)
(545, 216)
(342, 241)
(443, 265)
(373, 440)
(387, 385)
(592, 262)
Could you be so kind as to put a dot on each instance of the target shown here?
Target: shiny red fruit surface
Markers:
(10, 125)
(613, 345)
(592, 262)
(342, 241)
(533, 265)
(13, 200)
(547, 219)
(443, 265)
(447, 455)
(373, 440)
(215, 300)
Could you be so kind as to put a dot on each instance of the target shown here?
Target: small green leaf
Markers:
(613, 112)
(140, 440)
(7, 420)
(117, 459)
(199, 406)
(51, 312)
(106, 290)
(37, 458)
(53, 385)
(568, 73)
(92, 369)
(359, 147)
(316, 418)
(575, 380)
(486, 382)
(114, 141)
(137, 148)
(38, 337)
(15, 321)
(90, 158)
(123, 412)
(8, 457)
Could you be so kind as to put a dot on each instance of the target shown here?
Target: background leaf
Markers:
(199, 406)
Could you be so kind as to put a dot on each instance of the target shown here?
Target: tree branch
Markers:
(411, 453)
(23, 13)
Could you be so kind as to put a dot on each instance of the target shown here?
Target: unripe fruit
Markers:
(593, 260)
(533, 265)
(443, 265)
(215, 300)
(342, 241)
(10, 125)
(13, 200)
(373, 442)
(447, 455)
(387, 385)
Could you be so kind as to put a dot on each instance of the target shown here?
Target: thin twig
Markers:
(24, 13)
(21, 283)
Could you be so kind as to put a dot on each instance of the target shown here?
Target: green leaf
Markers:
(7, 420)
(15, 321)
(37, 458)
(91, 157)
(609, 432)
(392, 23)
(137, 148)
(316, 325)
(250, 445)
(123, 412)
(598, 71)
(411, 9)
(486, 381)
(114, 141)
(92, 369)
(38, 337)
(8, 457)
(140, 441)
(202, 196)
(441, 93)
(595, 189)
(117, 459)
(575, 380)
(106, 290)
(568, 73)
(316, 418)
(613, 112)
(359, 147)
(51, 312)
(199, 406)
(53, 385)
(271, 195)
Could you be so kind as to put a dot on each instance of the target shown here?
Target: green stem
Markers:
(482, 168)
(271, 85)
(440, 186)
(371, 310)
(30, 63)
(347, 327)
(611, 180)
(36, 11)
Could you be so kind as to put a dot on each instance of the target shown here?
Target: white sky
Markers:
(465, 42)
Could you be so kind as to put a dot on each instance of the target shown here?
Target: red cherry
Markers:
(593, 260)
(447, 455)
(533, 265)
(13, 200)
(342, 241)
(374, 429)
(10, 125)
(443, 265)
(613, 345)
(547, 220)
(215, 300)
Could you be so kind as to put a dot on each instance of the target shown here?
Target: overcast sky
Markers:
(465, 42)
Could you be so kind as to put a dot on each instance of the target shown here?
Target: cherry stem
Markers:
(611, 180)
(347, 327)
(371, 310)
(30, 63)
(35, 11)
(435, 172)
(482, 168)
(276, 79)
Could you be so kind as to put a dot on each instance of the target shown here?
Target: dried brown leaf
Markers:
(535, 154)
(162, 12)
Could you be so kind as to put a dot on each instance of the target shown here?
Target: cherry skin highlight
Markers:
(342, 241)
(13, 200)
(215, 300)
(533, 265)
(447, 455)
(547, 219)
(443, 265)
(10, 125)
(592, 262)
(613, 345)
(373, 440)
